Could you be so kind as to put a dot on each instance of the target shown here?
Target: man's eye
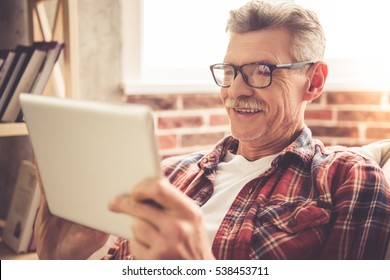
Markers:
(262, 70)
(228, 72)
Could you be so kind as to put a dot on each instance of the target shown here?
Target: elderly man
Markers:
(268, 191)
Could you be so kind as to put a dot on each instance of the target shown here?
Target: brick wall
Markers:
(186, 122)
(350, 118)
(191, 122)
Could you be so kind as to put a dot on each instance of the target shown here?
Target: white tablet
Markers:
(88, 152)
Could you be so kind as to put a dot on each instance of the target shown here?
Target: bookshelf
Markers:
(64, 81)
(64, 29)
(7, 254)
(13, 129)
(49, 20)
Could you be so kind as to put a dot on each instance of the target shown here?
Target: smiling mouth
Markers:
(246, 111)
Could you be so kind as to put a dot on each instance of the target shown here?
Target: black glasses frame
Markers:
(272, 68)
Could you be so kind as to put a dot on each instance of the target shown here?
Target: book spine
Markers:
(23, 54)
(47, 68)
(18, 229)
(28, 234)
(23, 85)
(5, 70)
(25, 69)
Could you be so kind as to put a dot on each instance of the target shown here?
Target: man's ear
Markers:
(316, 75)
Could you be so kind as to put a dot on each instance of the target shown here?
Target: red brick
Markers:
(378, 133)
(219, 119)
(167, 102)
(354, 98)
(364, 116)
(202, 101)
(201, 139)
(180, 121)
(334, 131)
(318, 114)
(166, 142)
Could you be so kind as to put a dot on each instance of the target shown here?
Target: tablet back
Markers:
(87, 153)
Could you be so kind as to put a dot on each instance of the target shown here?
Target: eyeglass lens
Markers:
(256, 75)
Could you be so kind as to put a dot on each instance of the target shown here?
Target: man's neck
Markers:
(253, 150)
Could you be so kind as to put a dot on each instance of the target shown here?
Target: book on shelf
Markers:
(24, 84)
(23, 54)
(38, 59)
(18, 232)
(32, 78)
(43, 76)
(5, 68)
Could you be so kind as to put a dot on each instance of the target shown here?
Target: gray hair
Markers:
(308, 34)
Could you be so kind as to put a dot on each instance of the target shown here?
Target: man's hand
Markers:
(167, 225)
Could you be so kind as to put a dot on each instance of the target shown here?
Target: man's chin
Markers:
(248, 137)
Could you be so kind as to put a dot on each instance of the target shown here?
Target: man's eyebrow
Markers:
(262, 62)
(267, 62)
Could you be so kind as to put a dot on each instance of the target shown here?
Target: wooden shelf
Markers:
(7, 254)
(13, 129)
(62, 28)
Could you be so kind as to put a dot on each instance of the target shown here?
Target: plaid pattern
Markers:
(313, 203)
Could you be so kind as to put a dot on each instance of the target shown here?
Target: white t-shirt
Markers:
(231, 176)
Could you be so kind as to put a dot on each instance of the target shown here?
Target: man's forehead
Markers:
(268, 45)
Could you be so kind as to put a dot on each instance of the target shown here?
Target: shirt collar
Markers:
(302, 147)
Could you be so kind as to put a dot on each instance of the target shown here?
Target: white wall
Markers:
(100, 49)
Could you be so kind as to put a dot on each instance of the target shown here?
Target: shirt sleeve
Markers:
(360, 219)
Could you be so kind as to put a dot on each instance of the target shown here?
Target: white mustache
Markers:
(245, 103)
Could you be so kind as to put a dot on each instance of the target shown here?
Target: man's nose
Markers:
(239, 87)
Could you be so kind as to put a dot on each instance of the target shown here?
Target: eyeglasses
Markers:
(256, 75)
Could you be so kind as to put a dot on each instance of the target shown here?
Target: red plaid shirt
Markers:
(313, 203)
